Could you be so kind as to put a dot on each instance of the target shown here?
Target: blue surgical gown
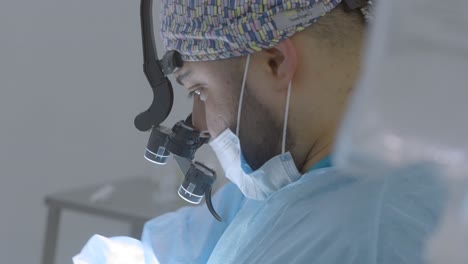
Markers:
(326, 217)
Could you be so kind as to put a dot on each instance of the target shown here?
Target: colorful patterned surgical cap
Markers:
(203, 30)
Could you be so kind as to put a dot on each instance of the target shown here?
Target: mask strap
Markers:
(286, 114)
(246, 70)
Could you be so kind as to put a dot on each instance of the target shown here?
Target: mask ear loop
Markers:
(286, 111)
(241, 99)
(286, 114)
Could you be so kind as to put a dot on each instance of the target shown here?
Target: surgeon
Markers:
(270, 81)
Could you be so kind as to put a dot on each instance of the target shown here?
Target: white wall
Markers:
(71, 82)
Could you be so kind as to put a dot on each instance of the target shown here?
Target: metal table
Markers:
(133, 200)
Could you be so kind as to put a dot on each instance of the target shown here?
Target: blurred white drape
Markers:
(411, 106)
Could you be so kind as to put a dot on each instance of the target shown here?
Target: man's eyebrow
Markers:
(180, 78)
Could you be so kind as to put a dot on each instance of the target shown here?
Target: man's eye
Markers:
(199, 92)
(190, 94)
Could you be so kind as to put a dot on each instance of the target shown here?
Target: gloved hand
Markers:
(116, 250)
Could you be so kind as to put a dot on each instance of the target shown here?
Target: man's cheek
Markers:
(217, 120)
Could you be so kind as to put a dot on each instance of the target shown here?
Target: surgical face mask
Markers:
(259, 184)
(272, 176)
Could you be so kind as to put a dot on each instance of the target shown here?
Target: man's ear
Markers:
(282, 61)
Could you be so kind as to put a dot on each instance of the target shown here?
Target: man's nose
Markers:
(198, 115)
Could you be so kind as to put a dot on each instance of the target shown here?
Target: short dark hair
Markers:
(337, 26)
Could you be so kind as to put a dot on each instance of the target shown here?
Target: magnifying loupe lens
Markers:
(155, 150)
(187, 193)
(198, 180)
(159, 157)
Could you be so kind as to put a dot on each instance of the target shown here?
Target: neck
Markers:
(316, 153)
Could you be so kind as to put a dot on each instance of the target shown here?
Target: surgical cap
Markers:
(202, 30)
